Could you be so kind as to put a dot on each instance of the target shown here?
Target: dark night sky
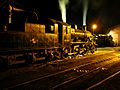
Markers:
(105, 13)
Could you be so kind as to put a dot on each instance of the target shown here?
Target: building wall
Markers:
(115, 33)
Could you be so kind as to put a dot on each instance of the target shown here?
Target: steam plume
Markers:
(62, 5)
(85, 8)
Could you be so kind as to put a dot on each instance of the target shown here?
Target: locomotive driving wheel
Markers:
(56, 54)
(65, 52)
(81, 50)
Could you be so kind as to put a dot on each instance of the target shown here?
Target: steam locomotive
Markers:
(51, 40)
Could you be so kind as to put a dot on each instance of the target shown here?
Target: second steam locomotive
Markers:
(52, 40)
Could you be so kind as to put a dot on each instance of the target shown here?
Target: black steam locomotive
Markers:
(51, 40)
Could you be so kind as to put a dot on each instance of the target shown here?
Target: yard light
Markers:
(94, 26)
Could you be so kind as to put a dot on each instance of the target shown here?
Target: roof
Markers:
(58, 22)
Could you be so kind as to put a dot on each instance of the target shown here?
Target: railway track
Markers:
(96, 85)
(93, 79)
(62, 78)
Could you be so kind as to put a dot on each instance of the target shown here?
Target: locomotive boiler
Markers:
(50, 40)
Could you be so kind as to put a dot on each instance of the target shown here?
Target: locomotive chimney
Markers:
(74, 26)
(85, 27)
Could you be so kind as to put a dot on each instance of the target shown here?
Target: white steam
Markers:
(62, 5)
(85, 8)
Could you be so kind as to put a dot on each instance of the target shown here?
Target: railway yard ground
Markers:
(100, 70)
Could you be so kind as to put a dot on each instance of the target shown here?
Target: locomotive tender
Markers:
(52, 40)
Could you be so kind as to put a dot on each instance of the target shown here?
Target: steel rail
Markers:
(37, 79)
(83, 75)
(102, 81)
